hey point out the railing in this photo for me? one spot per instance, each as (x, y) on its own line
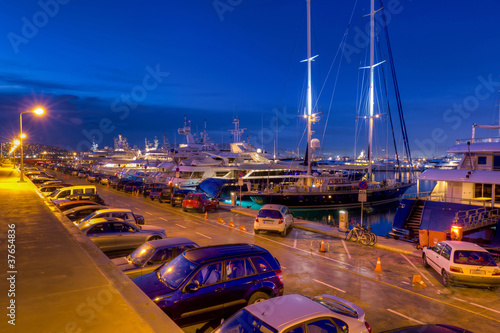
(424, 196)
(476, 218)
(478, 140)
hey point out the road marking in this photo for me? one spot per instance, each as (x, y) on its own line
(135, 208)
(180, 226)
(149, 213)
(295, 243)
(326, 284)
(402, 315)
(199, 233)
(346, 250)
(405, 282)
(425, 277)
(161, 218)
(480, 306)
(126, 204)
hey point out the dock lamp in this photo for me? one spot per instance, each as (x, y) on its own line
(456, 232)
(38, 111)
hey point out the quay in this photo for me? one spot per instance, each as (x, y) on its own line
(56, 280)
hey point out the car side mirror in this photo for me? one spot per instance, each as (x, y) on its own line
(193, 286)
(149, 263)
(140, 219)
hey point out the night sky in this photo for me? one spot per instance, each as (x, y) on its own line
(133, 67)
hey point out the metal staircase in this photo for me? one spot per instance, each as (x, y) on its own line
(415, 218)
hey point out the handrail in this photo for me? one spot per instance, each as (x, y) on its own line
(478, 140)
(476, 218)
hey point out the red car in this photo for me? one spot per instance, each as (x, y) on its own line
(200, 202)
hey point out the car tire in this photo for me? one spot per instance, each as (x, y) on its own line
(152, 199)
(283, 233)
(258, 297)
(446, 279)
(493, 288)
(160, 201)
(424, 261)
(154, 238)
(203, 209)
(256, 231)
(172, 204)
(184, 209)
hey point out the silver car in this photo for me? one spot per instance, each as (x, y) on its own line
(111, 234)
(297, 314)
(151, 255)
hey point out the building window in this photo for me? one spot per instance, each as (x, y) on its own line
(481, 160)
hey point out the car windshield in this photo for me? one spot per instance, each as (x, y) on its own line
(141, 254)
(176, 271)
(269, 213)
(244, 322)
(476, 258)
(91, 216)
(54, 194)
(192, 197)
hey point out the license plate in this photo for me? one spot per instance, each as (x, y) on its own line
(477, 272)
(268, 221)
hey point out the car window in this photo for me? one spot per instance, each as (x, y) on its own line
(89, 191)
(321, 326)
(64, 194)
(78, 191)
(446, 252)
(161, 255)
(208, 275)
(122, 216)
(100, 228)
(476, 258)
(297, 329)
(269, 213)
(438, 247)
(181, 249)
(261, 265)
(122, 227)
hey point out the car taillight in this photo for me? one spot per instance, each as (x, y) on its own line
(279, 275)
(281, 220)
(368, 327)
(456, 269)
(496, 273)
(256, 220)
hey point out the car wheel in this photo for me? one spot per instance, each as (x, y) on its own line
(172, 204)
(184, 209)
(160, 201)
(256, 231)
(493, 288)
(283, 233)
(154, 238)
(203, 209)
(152, 199)
(424, 261)
(446, 279)
(258, 297)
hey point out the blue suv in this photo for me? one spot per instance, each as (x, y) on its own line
(213, 282)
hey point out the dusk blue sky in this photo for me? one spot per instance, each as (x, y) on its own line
(133, 67)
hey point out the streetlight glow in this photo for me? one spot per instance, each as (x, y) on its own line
(17, 142)
(22, 136)
(39, 111)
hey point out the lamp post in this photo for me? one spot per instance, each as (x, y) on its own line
(38, 112)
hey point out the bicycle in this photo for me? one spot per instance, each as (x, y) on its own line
(361, 234)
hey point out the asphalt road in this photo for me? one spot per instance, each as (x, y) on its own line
(347, 270)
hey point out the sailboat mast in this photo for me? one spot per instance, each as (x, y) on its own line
(309, 93)
(371, 102)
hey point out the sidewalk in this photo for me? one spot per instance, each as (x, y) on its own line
(383, 243)
(57, 279)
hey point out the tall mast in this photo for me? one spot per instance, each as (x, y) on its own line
(309, 93)
(371, 102)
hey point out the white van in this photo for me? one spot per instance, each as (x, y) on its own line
(77, 189)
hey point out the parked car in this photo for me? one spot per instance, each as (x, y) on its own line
(63, 192)
(54, 182)
(48, 189)
(239, 274)
(148, 187)
(107, 180)
(119, 213)
(111, 234)
(297, 313)
(462, 263)
(151, 255)
(120, 184)
(133, 186)
(91, 197)
(178, 196)
(94, 177)
(40, 180)
(200, 202)
(80, 212)
(160, 193)
(66, 205)
(436, 328)
(273, 218)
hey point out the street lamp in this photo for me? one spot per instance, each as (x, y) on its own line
(38, 111)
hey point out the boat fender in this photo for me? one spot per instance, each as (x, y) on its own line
(402, 205)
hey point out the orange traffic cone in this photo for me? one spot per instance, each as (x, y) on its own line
(242, 228)
(231, 224)
(206, 215)
(322, 247)
(417, 279)
(378, 268)
(221, 221)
